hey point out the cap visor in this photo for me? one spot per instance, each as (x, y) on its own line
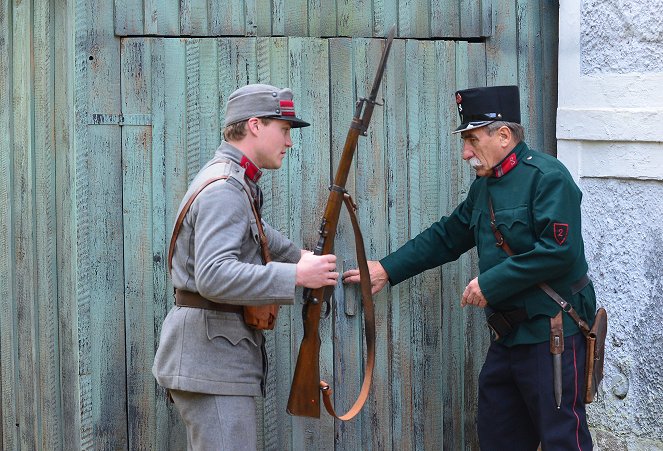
(295, 122)
(470, 126)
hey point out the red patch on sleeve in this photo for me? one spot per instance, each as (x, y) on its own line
(561, 232)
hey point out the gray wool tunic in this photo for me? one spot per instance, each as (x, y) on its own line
(217, 254)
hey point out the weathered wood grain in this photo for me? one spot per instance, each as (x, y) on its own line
(65, 99)
(101, 305)
(49, 427)
(398, 227)
(422, 19)
(8, 358)
(25, 306)
(169, 149)
(308, 77)
(137, 206)
(371, 195)
(347, 84)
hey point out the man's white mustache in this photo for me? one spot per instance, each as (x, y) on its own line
(475, 162)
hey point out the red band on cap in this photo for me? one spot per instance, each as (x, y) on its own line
(287, 108)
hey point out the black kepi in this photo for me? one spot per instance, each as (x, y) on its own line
(481, 106)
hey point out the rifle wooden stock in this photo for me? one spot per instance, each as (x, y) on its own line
(304, 399)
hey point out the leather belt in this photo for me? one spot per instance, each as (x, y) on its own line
(502, 324)
(185, 298)
(580, 284)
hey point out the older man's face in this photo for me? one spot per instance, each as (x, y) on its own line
(481, 150)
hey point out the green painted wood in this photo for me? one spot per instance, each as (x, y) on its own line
(7, 323)
(445, 18)
(354, 18)
(347, 84)
(137, 206)
(194, 19)
(475, 18)
(451, 275)
(25, 307)
(423, 194)
(101, 305)
(530, 59)
(169, 186)
(316, 18)
(65, 199)
(48, 393)
(8, 358)
(308, 200)
(414, 18)
(272, 68)
(231, 17)
(396, 158)
(129, 17)
(371, 196)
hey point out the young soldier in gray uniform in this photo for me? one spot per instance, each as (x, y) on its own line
(537, 210)
(211, 362)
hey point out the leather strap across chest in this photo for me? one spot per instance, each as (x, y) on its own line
(500, 242)
(264, 248)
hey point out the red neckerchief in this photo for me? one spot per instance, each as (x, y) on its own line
(251, 170)
(510, 162)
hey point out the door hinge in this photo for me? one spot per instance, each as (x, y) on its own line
(120, 119)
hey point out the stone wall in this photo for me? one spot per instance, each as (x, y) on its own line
(610, 135)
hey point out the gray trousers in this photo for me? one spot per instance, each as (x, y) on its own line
(216, 422)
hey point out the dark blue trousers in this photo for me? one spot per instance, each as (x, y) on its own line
(517, 409)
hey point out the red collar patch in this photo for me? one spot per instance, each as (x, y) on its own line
(561, 232)
(250, 169)
(506, 165)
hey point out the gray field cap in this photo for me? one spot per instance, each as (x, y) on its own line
(259, 100)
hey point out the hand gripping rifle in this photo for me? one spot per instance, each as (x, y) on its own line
(304, 397)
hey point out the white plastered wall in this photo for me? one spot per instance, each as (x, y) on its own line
(610, 136)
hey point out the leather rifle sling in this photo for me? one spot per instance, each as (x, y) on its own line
(369, 323)
(582, 325)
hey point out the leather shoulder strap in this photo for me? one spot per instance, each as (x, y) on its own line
(568, 308)
(180, 218)
(264, 245)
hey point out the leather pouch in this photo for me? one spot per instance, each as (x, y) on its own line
(595, 354)
(262, 317)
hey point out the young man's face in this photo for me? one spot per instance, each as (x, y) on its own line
(481, 150)
(273, 139)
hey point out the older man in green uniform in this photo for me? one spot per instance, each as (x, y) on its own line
(536, 206)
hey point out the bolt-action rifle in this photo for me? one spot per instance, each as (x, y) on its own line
(304, 397)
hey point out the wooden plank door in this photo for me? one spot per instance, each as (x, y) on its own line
(406, 172)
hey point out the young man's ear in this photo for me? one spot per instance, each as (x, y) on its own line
(253, 125)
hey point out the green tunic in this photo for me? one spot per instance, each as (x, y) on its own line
(537, 209)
